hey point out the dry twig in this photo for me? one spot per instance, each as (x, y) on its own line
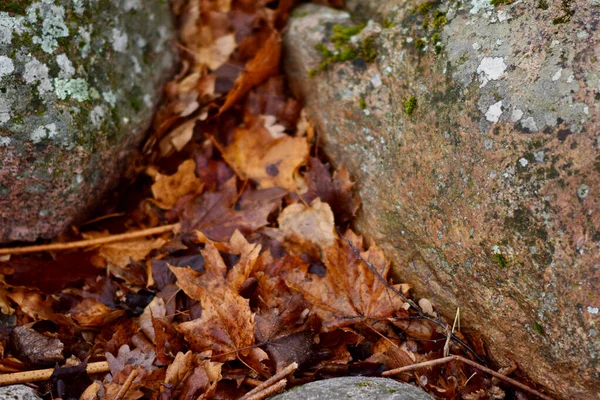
(473, 364)
(271, 381)
(91, 242)
(45, 374)
(271, 390)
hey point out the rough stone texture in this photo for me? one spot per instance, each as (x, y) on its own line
(487, 197)
(79, 80)
(18, 392)
(355, 387)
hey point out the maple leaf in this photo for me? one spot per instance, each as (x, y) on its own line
(216, 214)
(216, 274)
(350, 292)
(226, 326)
(264, 65)
(335, 191)
(272, 162)
(168, 188)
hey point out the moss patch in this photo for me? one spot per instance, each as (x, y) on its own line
(410, 105)
(344, 50)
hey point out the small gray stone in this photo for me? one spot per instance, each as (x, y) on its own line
(79, 81)
(18, 392)
(355, 387)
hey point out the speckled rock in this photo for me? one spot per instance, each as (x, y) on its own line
(18, 392)
(355, 387)
(474, 135)
(79, 80)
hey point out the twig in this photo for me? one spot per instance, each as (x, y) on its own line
(91, 242)
(414, 305)
(473, 364)
(127, 385)
(45, 374)
(276, 388)
(269, 382)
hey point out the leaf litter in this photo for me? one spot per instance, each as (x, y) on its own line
(265, 285)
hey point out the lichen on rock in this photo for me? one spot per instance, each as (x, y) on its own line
(488, 192)
(78, 84)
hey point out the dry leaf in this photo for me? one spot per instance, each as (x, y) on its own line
(350, 292)
(168, 189)
(427, 307)
(91, 313)
(264, 65)
(312, 224)
(226, 326)
(218, 52)
(255, 154)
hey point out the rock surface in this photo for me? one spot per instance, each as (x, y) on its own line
(474, 136)
(79, 81)
(355, 387)
(18, 392)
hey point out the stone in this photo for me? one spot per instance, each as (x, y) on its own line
(355, 387)
(474, 138)
(79, 82)
(18, 392)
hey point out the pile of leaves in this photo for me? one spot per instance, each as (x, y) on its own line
(261, 270)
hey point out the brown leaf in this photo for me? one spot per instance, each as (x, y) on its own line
(217, 217)
(226, 326)
(350, 292)
(270, 161)
(167, 189)
(314, 224)
(34, 348)
(189, 376)
(335, 191)
(91, 313)
(264, 65)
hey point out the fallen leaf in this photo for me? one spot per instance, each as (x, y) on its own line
(91, 313)
(427, 307)
(264, 64)
(226, 326)
(168, 189)
(272, 162)
(34, 348)
(216, 214)
(312, 224)
(350, 292)
(217, 52)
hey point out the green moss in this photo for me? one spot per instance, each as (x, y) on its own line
(136, 104)
(439, 20)
(15, 6)
(420, 44)
(362, 103)
(438, 49)
(501, 260)
(435, 38)
(387, 23)
(425, 24)
(344, 50)
(542, 4)
(567, 10)
(497, 3)
(367, 50)
(342, 34)
(410, 105)
(539, 328)
(424, 8)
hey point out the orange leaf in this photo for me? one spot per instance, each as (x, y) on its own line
(264, 65)
(226, 326)
(350, 292)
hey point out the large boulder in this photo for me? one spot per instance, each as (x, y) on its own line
(355, 387)
(474, 136)
(79, 81)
